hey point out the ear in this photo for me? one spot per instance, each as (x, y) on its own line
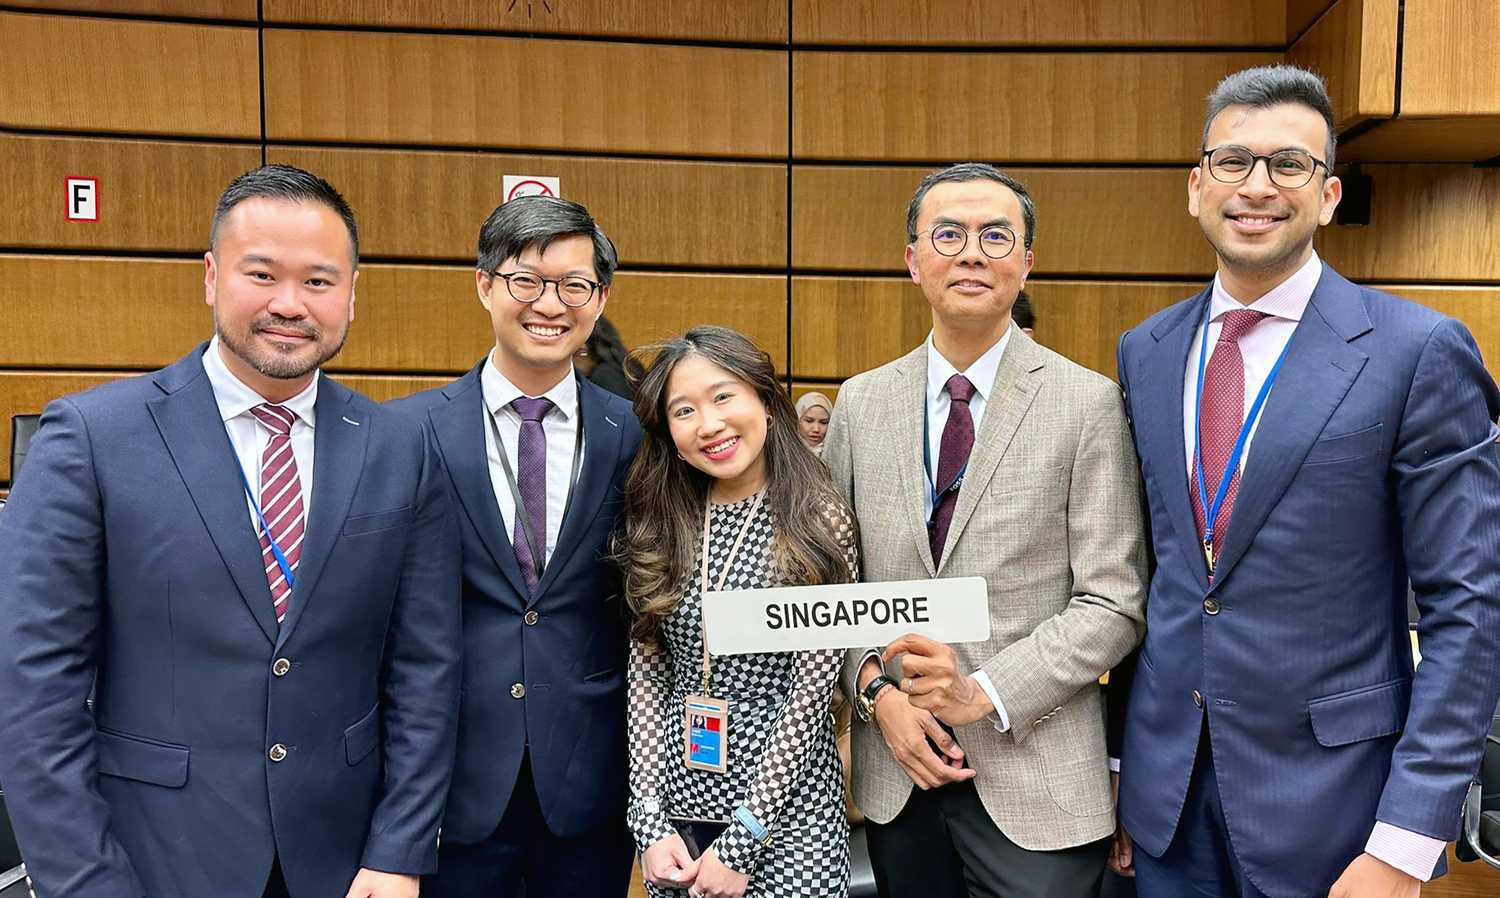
(354, 282)
(1194, 177)
(1333, 191)
(484, 282)
(911, 263)
(603, 298)
(1030, 261)
(210, 278)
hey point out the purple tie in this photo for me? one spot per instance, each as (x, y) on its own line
(531, 465)
(1222, 413)
(953, 457)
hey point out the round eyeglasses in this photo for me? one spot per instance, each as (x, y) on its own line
(524, 286)
(995, 241)
(1288, 169)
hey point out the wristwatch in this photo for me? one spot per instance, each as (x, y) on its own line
(864, 703)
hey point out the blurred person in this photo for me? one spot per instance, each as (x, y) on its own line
(1024, 314)
(813, 410)
(604, 358)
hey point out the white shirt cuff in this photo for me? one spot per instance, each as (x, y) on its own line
(1114, 765)
(1412, 853)
(1000, 718)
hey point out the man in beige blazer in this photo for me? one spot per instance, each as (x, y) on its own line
(980, 453)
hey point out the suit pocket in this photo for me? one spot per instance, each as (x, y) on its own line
(1011, 480)
(361, 738)
(604, 674)
(141, 759)
(1346, 446)
(1368, 712)
(380, 520)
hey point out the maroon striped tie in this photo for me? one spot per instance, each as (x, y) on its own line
(280, 502)
(1221, 415)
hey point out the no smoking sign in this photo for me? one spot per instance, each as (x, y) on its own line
(531, 185)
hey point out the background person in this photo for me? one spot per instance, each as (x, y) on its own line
(813, 411)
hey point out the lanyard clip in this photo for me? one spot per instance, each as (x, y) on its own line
(1208, 553)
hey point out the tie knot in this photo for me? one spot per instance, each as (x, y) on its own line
(531, 409)
(276, 418)
(1238, 323)
(959, 389)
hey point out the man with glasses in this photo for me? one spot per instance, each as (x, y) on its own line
(983, 454)
(536, 455)
(1308, 445)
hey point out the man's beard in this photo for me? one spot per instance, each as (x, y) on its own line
(277, 365)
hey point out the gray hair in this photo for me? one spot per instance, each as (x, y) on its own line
(971, 171)
(539, 221)
(1272, 85)
(288, 183)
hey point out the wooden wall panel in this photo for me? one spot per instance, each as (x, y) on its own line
(518, 93)
(430, 205)
(1301, 14)
(243, 10)
(1466, 138)
(1354, 47)
(1240, 23)
(748, 21)
(1449, 65)
(1012, 107)
(1477, 307)
(1427, 222)
(1089, 221)
(108, 75)
(151, 196)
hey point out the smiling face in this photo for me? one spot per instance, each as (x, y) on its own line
(280, 279)
(718, 423)
(970, 290)
(813, 425)
(1261, 232)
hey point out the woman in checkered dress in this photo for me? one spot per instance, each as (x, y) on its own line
(722, 442)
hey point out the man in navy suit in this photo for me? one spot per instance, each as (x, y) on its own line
(536, 456)
(1307, 446)
(256, 571)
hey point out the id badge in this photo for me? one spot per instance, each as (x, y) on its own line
(705, 723)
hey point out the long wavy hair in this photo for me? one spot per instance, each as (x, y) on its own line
(664, 495)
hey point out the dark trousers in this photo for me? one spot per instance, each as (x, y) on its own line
(523, 859)
(276, 885)
(943, 844)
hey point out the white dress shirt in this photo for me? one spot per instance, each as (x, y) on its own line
(249, 437)
(1412, 853)
(560, 427)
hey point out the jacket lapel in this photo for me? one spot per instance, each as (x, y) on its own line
(601, 450)
(1319, 369)
(912, 394)
(189, 422)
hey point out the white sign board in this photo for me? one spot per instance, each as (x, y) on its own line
(845, 615)
(531, 185)
(83, 199)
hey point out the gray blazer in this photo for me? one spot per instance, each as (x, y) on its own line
(1050, 515)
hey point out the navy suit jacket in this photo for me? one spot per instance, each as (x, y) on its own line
(128, 563)
(563, 644)
(1373, 462)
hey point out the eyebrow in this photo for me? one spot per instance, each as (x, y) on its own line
(267, 260)
(1002, 220)
(711, 387)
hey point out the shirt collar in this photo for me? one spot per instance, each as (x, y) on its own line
(981, 374)
(1287, 299)
(500, 392)
(234, 398)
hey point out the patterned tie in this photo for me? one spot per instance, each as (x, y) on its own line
(1220, 418)
(280, 502)
(953, 455)
(531, 465)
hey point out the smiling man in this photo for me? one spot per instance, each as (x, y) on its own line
(981, 453)
(536, 455)
(1308, 445)
(255, 572)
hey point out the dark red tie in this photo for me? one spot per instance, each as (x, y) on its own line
(953, 457)
(1221, 414)
(280, 502)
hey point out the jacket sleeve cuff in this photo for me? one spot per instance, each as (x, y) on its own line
(1412, 853)
(738, 849)
(399, 856)
(648, 822)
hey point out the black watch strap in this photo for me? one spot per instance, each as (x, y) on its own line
(873, 687)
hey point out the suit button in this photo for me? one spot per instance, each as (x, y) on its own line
(531, 618)
(277, 752)
(1211, 606)
(1197, 698)
(280, 667)
(518, 691)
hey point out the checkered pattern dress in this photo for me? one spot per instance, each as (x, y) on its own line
(783, 763)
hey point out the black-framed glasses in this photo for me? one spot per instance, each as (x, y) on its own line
(572, 291)
(995, 241)
(1289, 169)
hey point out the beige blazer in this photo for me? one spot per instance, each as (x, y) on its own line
(1050, 515)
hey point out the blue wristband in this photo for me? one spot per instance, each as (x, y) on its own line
(757, 832)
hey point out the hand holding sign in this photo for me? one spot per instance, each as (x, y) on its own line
(934, 683)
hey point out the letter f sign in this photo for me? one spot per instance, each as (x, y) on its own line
(83, 199)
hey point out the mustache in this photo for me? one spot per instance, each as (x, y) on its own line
(286, 324)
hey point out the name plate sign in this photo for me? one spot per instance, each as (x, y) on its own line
(845, 615)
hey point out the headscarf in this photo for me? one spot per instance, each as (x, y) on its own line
(807, 401)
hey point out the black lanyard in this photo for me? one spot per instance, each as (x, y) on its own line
(527, 528)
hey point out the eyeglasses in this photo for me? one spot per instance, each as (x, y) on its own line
(1289, 169)
(524, 286)
(995, 241)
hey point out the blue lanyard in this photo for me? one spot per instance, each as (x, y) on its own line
(1211, 509)
(930, 475)
(286, 569)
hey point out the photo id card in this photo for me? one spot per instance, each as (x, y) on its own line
(706, 734)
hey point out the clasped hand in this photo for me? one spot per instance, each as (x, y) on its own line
(668, 864)
(934, 684)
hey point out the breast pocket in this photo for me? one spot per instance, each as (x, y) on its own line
(378, 521)
(1346, 446)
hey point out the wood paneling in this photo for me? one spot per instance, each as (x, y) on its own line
(971, 23)
(518, 93)
(748, 21)
(1427, 222)
(1476, 307)
(1013, 107)
(188, 9)
(151, 196)
(97, 312)
(116, 76)
(1470, 138)
(1353, 46)
(430, 205)
(1089, 221)
(1300, 14)
(1449, 65)
(1474, 880)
